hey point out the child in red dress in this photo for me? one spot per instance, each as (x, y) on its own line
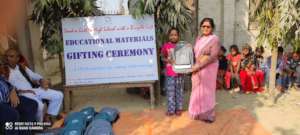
(232, 78)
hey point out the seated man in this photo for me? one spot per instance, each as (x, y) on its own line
(27, 84)
(14, 108)
(293, 66)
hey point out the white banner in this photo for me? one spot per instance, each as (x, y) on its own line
(109, 49)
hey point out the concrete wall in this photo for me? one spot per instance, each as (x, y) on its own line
(3, 45)
(231, 18)
(212, 9)
(28, 38)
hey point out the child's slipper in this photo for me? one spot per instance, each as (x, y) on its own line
(178, 112)
(169, 114)
(247, 92)
(237, 89)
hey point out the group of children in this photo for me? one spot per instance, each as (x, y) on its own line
(248, 71)
(287, 70)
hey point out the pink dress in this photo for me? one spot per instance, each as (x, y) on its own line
(202, 100)
(165, 51)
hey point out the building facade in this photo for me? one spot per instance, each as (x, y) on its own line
(232, 18)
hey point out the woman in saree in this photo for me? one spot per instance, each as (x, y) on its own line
(206, 50)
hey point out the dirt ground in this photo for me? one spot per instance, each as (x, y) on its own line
(279, 118)
(154, 122)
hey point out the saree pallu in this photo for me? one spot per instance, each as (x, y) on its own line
(202, 100)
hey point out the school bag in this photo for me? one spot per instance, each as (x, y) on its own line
(75, 124)
(89, 113)
(103, 116)
(101, 124)
(110, 114)
(72, 131)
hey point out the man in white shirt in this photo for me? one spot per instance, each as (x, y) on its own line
(26, 83)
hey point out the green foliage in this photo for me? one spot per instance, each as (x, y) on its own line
(168, 13)
(48, 13)
(136, 8)
(279, 23)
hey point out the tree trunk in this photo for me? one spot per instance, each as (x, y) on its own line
(61, 68)
(158, 83)
(272, 78)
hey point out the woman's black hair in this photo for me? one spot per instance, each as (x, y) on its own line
(260, 49)
(210, 20)
(234, 47)
(173, 28)
(223, 49)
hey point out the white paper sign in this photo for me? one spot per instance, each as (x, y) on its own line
(109, 49)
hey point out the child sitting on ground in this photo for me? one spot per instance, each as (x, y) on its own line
(252, 73)
(232, 78)
(293, 69)
(251, 78)
(222, 69)
(260, 63)
(281, 73)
